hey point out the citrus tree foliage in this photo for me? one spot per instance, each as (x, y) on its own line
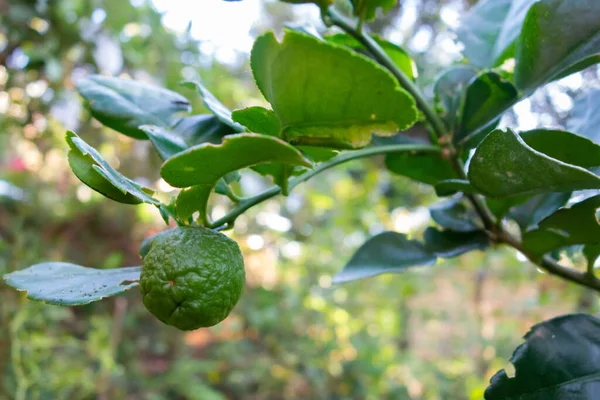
(334, 99)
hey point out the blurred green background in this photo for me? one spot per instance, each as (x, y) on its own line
(432, 333)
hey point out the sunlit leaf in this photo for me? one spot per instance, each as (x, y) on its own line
(556, 35)
(206, 163)
(312, 88)
(396, 53)
(91, 168)
(559, 360)
(367, 9)
(504, 165)
(69, 284)
(384, 253)
(124, 104)
(258, 120)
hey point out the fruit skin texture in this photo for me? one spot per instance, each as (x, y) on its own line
(192, 277)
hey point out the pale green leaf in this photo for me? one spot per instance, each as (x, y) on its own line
(68, 284)
(327, 95)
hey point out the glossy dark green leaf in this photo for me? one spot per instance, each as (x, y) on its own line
(530, 213)
(427, 168)
(453, 186)
(584, 117)
(591, 253)
(558, 361)
(191, 200)
(487, 97)
(327, 109)
(499, 207)
(504, 165)
(215, 106)
(490, 28)
(258, 120)
(396, 53)
(384, 253)
(206, 163)
(448, 244)
(202, 128)
(166, 142)
(124, 104)
(449, 91)
(69, 284)
(551, 42)
(567, 226)
(454, 214)
(564, 146)
(91, 168)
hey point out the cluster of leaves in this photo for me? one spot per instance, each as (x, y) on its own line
(326, 98)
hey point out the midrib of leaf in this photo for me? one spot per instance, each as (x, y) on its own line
(582, 379)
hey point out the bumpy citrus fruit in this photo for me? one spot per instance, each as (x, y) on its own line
(191, 277)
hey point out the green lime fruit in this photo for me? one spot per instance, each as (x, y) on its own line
(192, 277)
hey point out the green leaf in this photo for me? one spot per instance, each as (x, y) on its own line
(453, 214)
(429, 168)
(558, 361)
(556, 35)
(567, 226)
(202, 128)
(490, 28)
(258, 120)
(206, 163)
(166, 142)
(448, 244)
(193, 199)
(504, 165)
(564, 146)
(227, 180)
(499, 207)
(384, 253)
(68, 284)
(591, 253)
(449, 91)
(453, 186)
(214, 105)
(529, 214)
(367, 9)
(89, 166)
(124, 104)
(487, 97)
(312, 88)
(396, 53)
(584, 117)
